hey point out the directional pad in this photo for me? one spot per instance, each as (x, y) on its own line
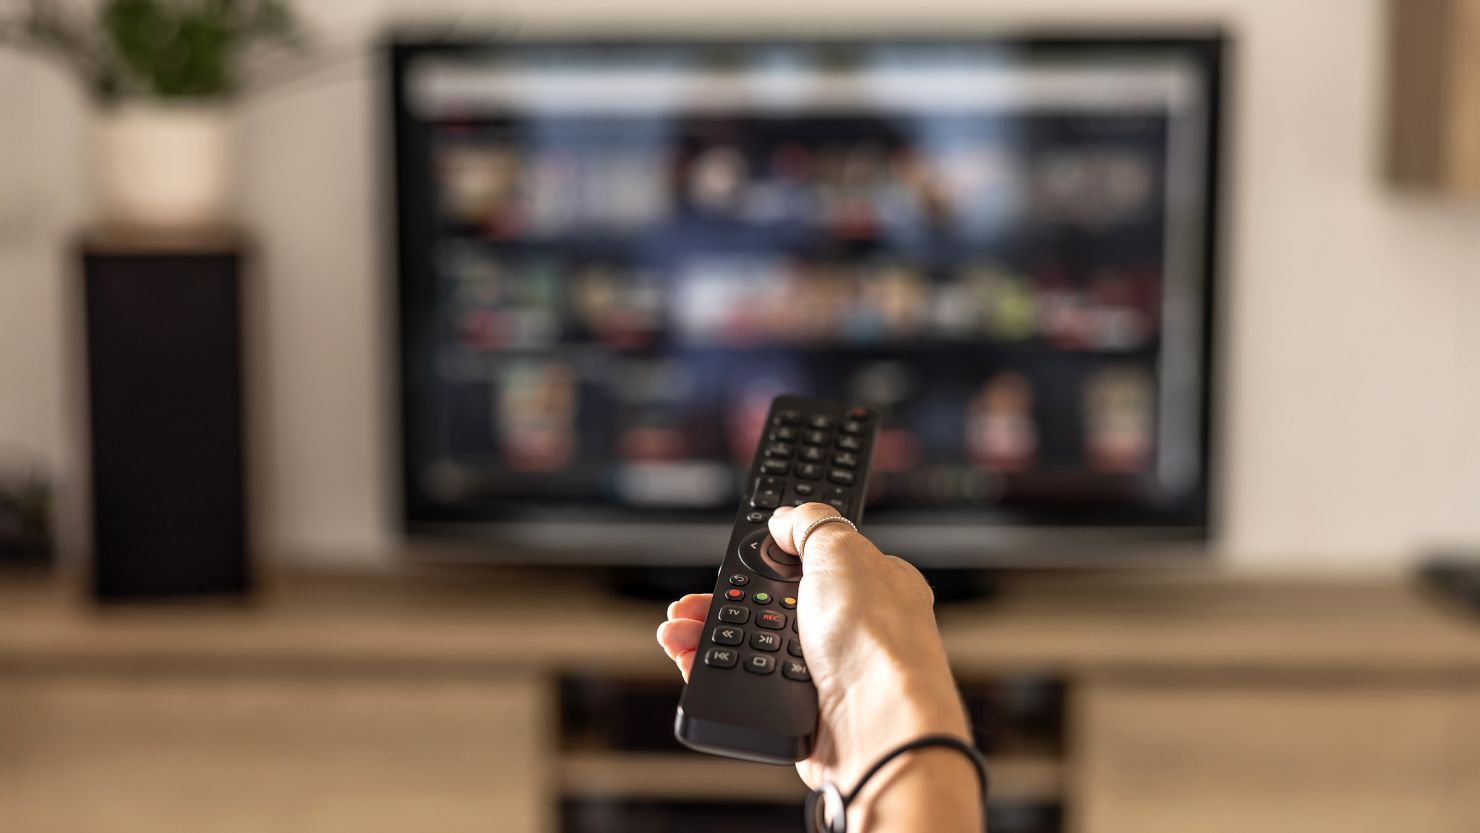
(761, 554)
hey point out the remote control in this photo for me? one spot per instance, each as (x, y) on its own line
(749, 695)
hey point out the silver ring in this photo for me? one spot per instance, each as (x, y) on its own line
(802, 543)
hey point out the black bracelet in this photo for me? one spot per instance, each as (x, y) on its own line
(827, 807)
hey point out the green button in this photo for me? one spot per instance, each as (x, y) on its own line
(761, 598)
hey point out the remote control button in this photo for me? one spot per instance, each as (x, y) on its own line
(756, 517)
(813, 454)
(849, 443)
(858, 413)
(760, 664)
(777, 555)
(761, 555)
(803, 489)
(775, 467)
(766, 499)
(728, 635)
(761, 597)
(794, 647)
(852, 426)
(750, 547)
(789, 602)
(839, 503)
(768, 482)
(735, 594)
(815, 438)
(722, 658)
(784, 434)
(762, 641)
(841, 476)
(845, 459)
(801, 501)
(795, 669)
(820, 422)
(739, 579)
(771, 619)
(809, 471)
(779, 450)
(787, 417)
(734, 615)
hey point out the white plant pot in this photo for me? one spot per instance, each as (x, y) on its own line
(164, 167)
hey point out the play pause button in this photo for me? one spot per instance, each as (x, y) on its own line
(763, 641)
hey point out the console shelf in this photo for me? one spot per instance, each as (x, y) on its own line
(680, 776)
(488, 700)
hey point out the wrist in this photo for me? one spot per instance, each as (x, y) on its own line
(931, 789)
(889, 706)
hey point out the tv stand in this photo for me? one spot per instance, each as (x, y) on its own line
(657, 583)
(652, 583)
(1119, 703)
(963, 585)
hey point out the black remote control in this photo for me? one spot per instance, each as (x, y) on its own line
(749, 695)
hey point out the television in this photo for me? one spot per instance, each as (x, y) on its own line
(611, 253)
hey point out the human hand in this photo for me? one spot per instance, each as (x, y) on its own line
(870, 640)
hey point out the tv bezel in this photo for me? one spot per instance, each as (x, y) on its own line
(607, 536)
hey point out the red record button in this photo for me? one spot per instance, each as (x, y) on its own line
(771, 619)
(734, 594)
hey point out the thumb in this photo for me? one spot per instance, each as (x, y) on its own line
(788, 524)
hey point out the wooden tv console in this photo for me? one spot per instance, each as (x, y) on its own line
(442, 702)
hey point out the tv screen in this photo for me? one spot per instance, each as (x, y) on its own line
(613, 254)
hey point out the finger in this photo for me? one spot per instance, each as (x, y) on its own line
(787, 527)
(685, 660)
(692, 606)
(679, 635)
(779, 523)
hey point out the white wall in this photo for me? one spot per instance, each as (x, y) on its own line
(42, 199)
(1352, 321)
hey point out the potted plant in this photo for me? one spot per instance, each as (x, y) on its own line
(163, 73)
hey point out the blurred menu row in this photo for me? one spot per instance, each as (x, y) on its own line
(894, 183)
(661, 431)
(498, 301)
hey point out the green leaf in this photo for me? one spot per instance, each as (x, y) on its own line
(167, 48)
(137, 30)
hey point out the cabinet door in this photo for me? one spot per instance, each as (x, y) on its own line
(1276, 758)
(286, 754)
